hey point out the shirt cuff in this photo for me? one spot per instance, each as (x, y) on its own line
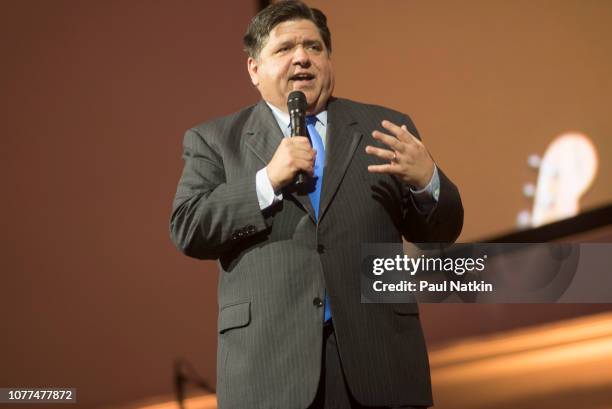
(425, 199)
(265, 192)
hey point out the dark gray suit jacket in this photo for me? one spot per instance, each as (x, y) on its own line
(276, 264)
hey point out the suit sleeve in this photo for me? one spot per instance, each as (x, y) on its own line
(210, 214)
(441, 224)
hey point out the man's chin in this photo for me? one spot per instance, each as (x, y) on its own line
(310, 90)
(316, 106)
(313, 98)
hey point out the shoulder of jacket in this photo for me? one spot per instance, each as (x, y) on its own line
(225, 125)
(370, 108)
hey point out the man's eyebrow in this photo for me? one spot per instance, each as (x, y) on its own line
(285, 43)
(312, 42)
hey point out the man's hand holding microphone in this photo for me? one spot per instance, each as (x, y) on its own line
(294, 159)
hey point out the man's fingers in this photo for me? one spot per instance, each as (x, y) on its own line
(388, 140)
(297, 144)
(390, 168)
(391, 127)
(401, 132)
(301, 157)
(299, 141)
(411, 136)
(304, 165)
(381, 153)
(305, 154)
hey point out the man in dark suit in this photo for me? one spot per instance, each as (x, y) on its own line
(292, 330)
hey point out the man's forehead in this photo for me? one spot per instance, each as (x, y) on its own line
(295, 29)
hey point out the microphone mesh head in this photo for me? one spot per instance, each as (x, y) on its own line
(296, 100)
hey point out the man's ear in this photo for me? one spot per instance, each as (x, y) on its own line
(252, 68)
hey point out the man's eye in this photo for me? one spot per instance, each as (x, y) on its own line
(282, 49)
(315, 47)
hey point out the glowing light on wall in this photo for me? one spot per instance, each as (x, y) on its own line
(565, 173)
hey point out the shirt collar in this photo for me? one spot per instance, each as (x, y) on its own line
(283, 117)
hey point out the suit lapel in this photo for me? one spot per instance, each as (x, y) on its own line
(342, 141)
(262, 137)
(262, 134)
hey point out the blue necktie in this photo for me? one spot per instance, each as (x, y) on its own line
(315, 195)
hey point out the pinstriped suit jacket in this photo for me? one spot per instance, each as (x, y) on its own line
(275, 263)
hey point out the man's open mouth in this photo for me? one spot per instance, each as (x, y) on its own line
(302, 78)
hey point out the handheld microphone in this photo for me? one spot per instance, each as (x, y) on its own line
(296, 106)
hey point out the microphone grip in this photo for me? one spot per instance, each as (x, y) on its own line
(300, 179)
(298, 128)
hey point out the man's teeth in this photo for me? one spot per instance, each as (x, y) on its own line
(302, 77)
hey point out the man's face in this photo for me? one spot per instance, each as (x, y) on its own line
(294, 58)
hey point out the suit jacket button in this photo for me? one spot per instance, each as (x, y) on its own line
(320, 249)
(317, 302)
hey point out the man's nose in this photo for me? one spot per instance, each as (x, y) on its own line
(301, 57)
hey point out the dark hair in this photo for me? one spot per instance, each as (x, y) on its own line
(279, 12)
